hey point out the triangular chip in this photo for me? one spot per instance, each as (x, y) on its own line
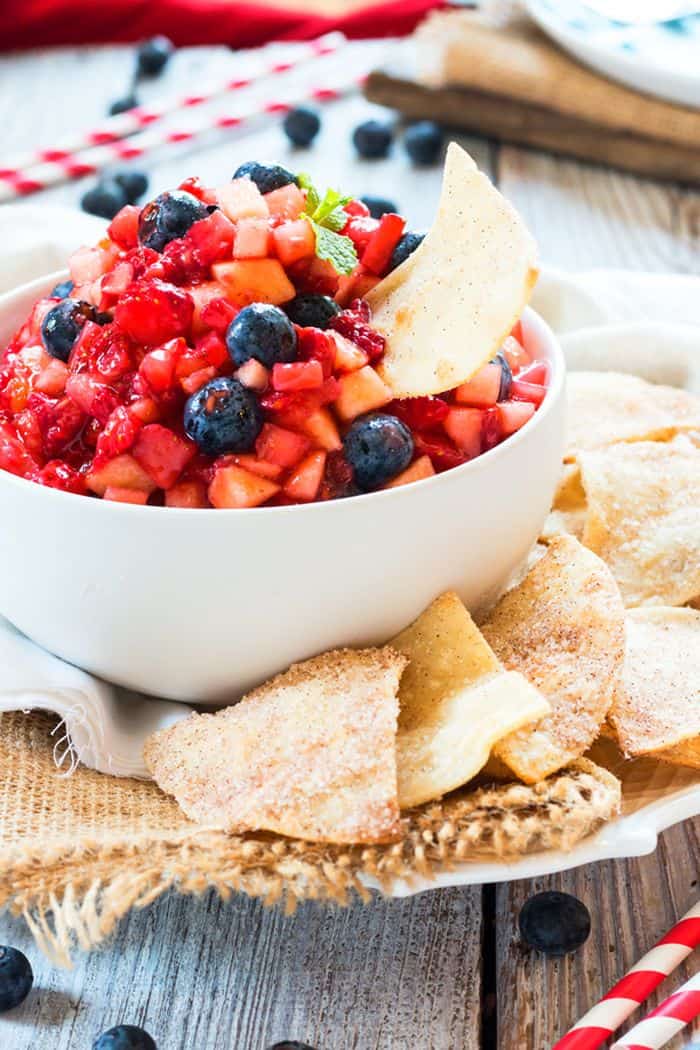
(455, 702)
(563, 628)
(644, 518)
(568, 513)
(657, 705)
(447, 309)
(310, 754)
(607, 407)
(685, 754)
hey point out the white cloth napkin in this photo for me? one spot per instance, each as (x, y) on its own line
(607, 320)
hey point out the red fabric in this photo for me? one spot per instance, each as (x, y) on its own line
(38, 23)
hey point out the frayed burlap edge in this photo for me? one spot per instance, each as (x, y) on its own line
(75, 897)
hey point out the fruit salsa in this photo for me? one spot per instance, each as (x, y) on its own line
(216, 349)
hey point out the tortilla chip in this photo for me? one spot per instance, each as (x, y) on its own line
(608, 407)
(310, 754)
(644, 518)
(568, 513)
(563, 628)
(657, 704)
(446, 310)
(685, 754)
(455, 702)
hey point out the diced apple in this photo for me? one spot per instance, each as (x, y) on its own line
(294, 241)
(257, 466)
(253, 239)
(234, 487)
(537, 372)
(348, 355)
(420, 468)
(122, 472)
(158, 366)
(191, 494)
(360, 392)
(162, 454)
(87, 264)
(297, 375)
(52, 378)
(253, 374)
(306, 479)
(321, 428)
(281, 446)
(288, 202)
(202, 295)
(514, 414)
(523, 391)
(254, 281)
(145, 409)
(113, 492)
(241, 199)
(482, 389)
(191, 383)
(463, 425)
(515, 354)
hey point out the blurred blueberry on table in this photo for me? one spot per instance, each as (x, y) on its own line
(16, 977)
(301, 125)
(121, 105)
(267, 177)
(134, 184)
(423, 142)
(372, 139)
(379, 206)
(124, 1037)
(105, 199)
(291, 1044)
(406, 246)
(153, 55)
(61, 290)
(554, 923)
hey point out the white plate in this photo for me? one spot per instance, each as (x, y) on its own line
(659, 59)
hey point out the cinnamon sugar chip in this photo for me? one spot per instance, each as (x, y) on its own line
(310, 754)
(657, 706)
(568, 513)
(563, 628)
(608, 407)
(685, 754)
(644, 518)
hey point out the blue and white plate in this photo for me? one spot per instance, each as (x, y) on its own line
(661, 59)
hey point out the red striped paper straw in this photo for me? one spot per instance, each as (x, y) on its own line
(638, 983)
(666, 1021)
(136, 120)
(88, 162)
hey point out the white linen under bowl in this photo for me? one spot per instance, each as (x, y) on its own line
(200, 605)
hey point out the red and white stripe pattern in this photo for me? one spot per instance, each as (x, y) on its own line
(18, 171)
(666, 1021)
(638, 983)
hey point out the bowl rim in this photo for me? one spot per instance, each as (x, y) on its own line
(555, 387)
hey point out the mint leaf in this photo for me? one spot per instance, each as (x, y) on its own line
(336, 220)
(331, 203)
(338, 250)
(313, 198)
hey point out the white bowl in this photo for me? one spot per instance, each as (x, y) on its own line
(200, 605)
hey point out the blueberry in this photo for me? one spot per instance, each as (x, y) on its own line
(121, 105)
(301, 125)
(124, 1037)
(105, 199)
(62, 326)
(134, 184)
(377, 447)
(423, 142)
(168, 217)
(16, 978)
(506, 375)
(153, 55)
(267, 177)
(379, 206)
(223, 416)
(406, 246)
(554, 923)
(61, 290)
(311, 311)
(373, 138)
(263, 332)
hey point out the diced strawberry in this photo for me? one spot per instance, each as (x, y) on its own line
(30, 433)
(293, 407)
(256, 466)
(218, 313)
(360, 392)
(288, 202)
(418, 470)
(354, 324)
(154, 312)
(491, 429)
(241, 199)
(118, 435)
(158, 366)
(206, 296)
(281, 446)
(443, 455)
(117, 281)
(297, 375)
(145, 409)
(320, 278)
(58, 475)
(234, 487)
(124, 227)
(91, 396)
(420, 413)
(191, 383)
(522, 391)
(213, 349)
(360, 230)
(253, 374)
(321, 428)
(52, 378)
(517, 332)
(13, 455)
(253, 239)
(356, 207)
(190, 494)
(306, 479)
(111, 355)
(195, 186)
(463, 425)
(482, 389)
(515, 354)
(122, 473)
(162, 454)
(121, 495)
(377, 253)
(514, 414)
(337, 479)
(212, 238)
(537, 372)
(348, 356)
(294, 241)
(254, 281)
(315, 345)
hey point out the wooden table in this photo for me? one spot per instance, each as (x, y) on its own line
(445, 970)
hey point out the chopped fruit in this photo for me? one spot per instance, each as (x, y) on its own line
(491, 430)
(210, 305)
(91, 396)
(443, 454)
(311, 311)
(420, 468)
(158, 367)
(424, 141)
(287, 202)
(517, 332)
(234, 487)
(124, 227)
(354, 324)
(301, 125)
(154, 312)
(162, 454)
(382, 243)
(195, 380)
(87, 264)
(57, 475)
(348, 356)
(263, 332)
(267, 177)
(123, 472)
(169, 217)
(483, 389)
(254, 281)
(223, 416)
(514, 414)
(62, 325)
(294, 241)
(463, 425)
(361, 392)
(119, 435)
(405, 247)
(535, 373)
(306, 480)
(253, 375)
(299, 375)
(360, 229)
(372, 139)
(192, 494)
(358, 206)
(212, 238)
(321, 427)
(119, 495)
(522, 391)
(52, 379)
(252, 239)
(280, 446)
(261, 467)
(377, 447)
(515, 354)
(241, 199)
(420, 413)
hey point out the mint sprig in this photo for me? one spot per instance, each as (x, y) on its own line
(327, 218)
